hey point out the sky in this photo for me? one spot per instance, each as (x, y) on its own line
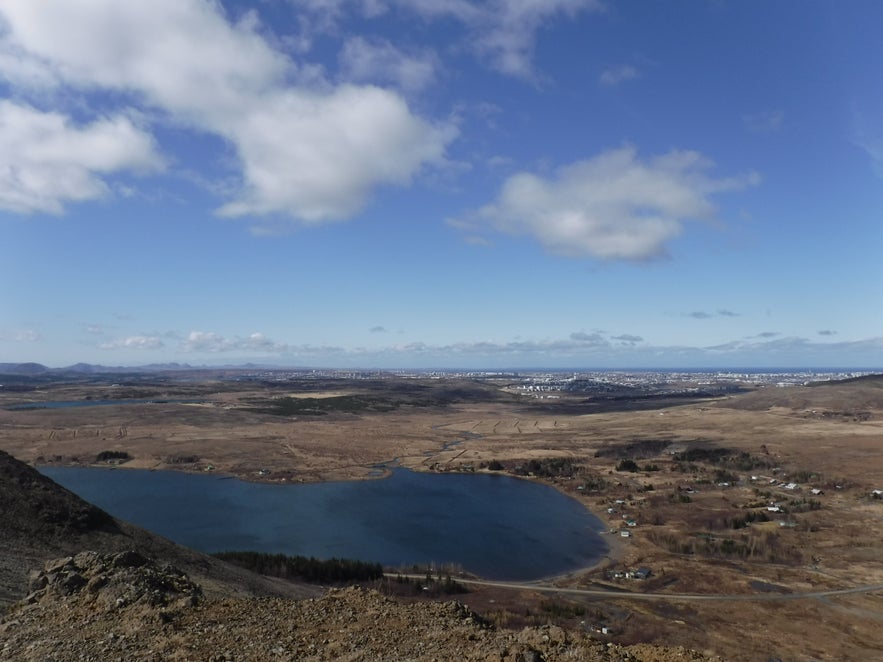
(442, 183)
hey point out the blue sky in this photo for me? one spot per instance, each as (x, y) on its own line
(442, 183)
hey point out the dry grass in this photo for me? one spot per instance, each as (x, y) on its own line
(682, 540)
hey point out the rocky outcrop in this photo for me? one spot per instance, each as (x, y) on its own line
(111, 582)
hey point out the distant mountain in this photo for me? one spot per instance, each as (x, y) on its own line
(36, 369)
(23, 369)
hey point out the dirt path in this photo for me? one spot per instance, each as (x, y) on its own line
(628, 595)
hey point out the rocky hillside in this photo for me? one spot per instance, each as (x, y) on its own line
(124, 607)
(42, 520)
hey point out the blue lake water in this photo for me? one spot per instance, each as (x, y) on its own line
(494, 526)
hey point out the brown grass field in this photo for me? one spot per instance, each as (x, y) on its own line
(702, 523)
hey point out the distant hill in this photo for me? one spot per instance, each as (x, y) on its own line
(847, 395)
(40, 520)
(31, 369)
(22, 369)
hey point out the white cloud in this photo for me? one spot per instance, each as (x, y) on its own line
(502, 32)
(331, 10)
(134, 342)
(211, 342)
(317, 156)
(596, 348)
(47, 161)
(618, 74)
(306, 150)
(20, 335)
(764, 122)
(379, 61)
(205, 341)
(705, 315)
(614, 206)
(868, 138)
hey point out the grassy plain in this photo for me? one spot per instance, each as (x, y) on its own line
(708, 472)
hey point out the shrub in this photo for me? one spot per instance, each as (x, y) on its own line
(104, 456)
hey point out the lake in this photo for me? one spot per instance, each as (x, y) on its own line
(497, 527)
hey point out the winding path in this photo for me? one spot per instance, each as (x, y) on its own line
(691, 597)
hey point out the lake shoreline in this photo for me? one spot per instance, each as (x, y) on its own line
(428, 517)
(615, 547)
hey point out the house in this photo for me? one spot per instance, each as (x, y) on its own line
(642, 573)
(816, 491)
(774, 509)
(625, 533)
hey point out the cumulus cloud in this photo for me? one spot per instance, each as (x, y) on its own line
(764, 122)
(827, 332)
(508, 29)
(378, 329)
(618, 74)
(20, 335)
(615, 206)
(330, 11)
(46, 160)
(211, 342)
(305, 149)
(318, 156)
(134, 342)
(379, 61)
(868, 137)
(582, 339)
(704, 315)
(596, 348)
(501, 32)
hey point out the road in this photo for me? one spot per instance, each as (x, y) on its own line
(683, 597)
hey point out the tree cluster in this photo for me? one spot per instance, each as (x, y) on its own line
(313, 570)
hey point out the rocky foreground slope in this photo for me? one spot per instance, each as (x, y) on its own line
(140, 597)
(125, 607)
